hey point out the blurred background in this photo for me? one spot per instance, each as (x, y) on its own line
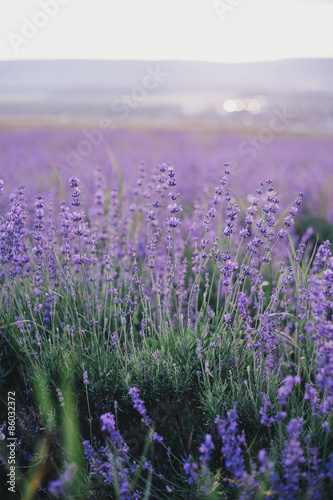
(191, 82)
(226, 64)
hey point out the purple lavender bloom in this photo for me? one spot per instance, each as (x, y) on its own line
(59, 487)
(190, 468)
(109, 425)
(172, 222)
(265, 466)
(315, 475)
(232, 442)
(118, 463)
(292, 459)
(124, 486)
(198, 349)
(280, 415)
(60, 397)
(85, 378)
(265, 420)
(108, 422)
(88, 451)
(311, 395)
(139, 405)
(322, 255)
(157, 438)
(227, 318)
(206, 449)
(74, 181)
(287, 388)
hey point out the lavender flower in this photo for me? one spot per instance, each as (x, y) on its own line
(198, 349)
(59, 487)
(232, 442)
(157, 438)
(265, 420)
(292, 459)
(285, 391)
(85, 378)
(190, 469)
(109, 425)
(139, 405)
(206, 449)
(117, 463)
(60, 397)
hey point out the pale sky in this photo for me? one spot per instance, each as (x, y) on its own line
(206, 30)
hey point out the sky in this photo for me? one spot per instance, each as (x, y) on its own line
(203, 30)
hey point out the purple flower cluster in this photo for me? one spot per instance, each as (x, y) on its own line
(201, 474)
(139, 405)
(232, 443)
(292, 459)
(190, 469)
(125, 268)
(60, 487)
(113, 465)
(287, 388)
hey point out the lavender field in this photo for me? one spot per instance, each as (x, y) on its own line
(166, 314)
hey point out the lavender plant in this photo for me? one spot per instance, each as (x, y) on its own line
(206, 324)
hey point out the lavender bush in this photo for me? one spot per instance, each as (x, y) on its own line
(163, 345)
